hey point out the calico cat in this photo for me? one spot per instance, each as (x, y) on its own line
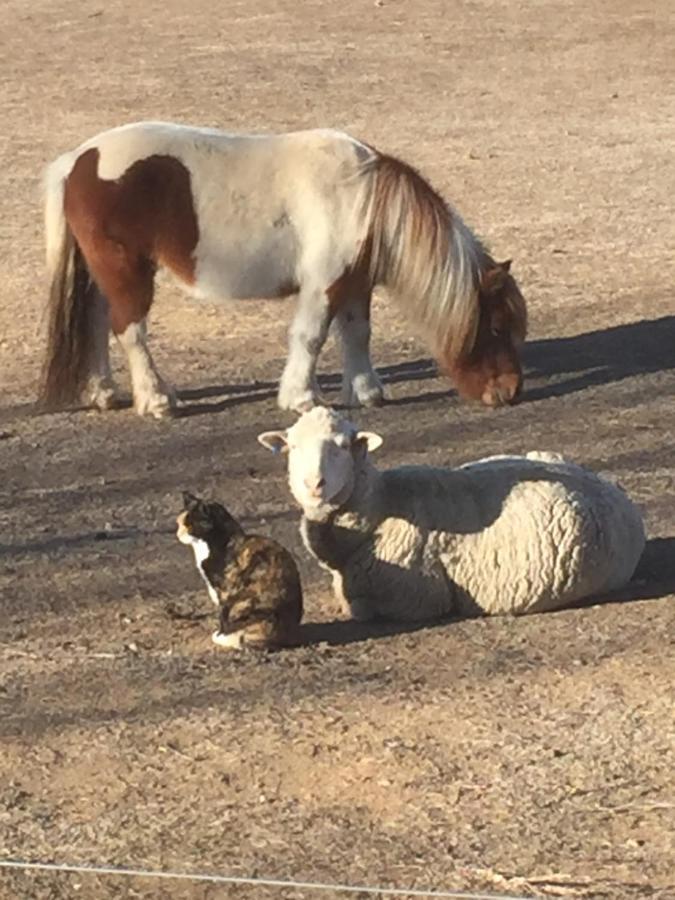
(252, 579)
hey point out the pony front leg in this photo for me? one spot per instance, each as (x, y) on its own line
(298, 389)
(152, 396)
(361, 385)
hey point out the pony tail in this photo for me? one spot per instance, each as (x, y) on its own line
(66, 363)
(424, 253)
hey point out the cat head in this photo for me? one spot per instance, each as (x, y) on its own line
(202, 520)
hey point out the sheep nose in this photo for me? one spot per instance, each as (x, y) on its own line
(315, 484)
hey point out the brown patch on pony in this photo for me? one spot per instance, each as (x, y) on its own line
(353, 284)
(350, 286)
(492, 373)
(127, 227)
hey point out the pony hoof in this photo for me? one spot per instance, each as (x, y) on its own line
(104, 399)
(101, 393)
(372, 398)
(363, 391)
(299, 403)
(159, 406)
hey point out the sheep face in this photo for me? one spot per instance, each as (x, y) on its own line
(323, 451)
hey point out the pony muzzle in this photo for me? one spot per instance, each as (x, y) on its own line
(491, 390)
(503, 391)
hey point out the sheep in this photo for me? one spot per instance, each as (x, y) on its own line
(503, 535)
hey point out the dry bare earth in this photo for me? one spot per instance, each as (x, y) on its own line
(533, 756)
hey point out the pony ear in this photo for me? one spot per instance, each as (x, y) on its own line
(190, 501)
(368, 439)
(494, 279)
(276, 441)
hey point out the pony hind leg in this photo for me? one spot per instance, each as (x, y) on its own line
(101, 390)
(361, 385)
(152, 395)
(127, 281)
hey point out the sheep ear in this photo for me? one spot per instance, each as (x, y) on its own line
(369, 440)
(276, 441)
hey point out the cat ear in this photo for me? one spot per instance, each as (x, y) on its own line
(190, 501)
(276, 441)
(226, 518)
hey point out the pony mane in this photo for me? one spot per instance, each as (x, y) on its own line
(425, 254)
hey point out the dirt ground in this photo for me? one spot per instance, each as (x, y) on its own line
(532, 757)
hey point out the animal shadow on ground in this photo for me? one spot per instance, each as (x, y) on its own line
(654, 579)
(341, 632)
(228, 395)
(593, 358)
(655, 574)
(590, 359)
(601, 357)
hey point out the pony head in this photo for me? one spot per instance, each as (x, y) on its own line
(491, 371)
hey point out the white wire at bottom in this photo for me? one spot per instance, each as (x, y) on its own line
(242, 880)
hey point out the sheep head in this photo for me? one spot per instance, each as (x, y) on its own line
(323, 453)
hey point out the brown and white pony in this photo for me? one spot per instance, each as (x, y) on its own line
(237, 216)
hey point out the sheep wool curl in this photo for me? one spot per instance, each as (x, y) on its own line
(503, 535)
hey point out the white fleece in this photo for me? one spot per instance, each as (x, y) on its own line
(504, 535)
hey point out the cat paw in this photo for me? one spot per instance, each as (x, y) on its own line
(233, 641)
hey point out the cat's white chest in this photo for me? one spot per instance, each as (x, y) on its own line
(202, 553)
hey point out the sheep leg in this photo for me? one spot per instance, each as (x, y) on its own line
(360, 383)
(298, 388)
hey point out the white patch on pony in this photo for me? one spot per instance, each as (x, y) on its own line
(274, 212)
(233, 641)
(201, 551)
